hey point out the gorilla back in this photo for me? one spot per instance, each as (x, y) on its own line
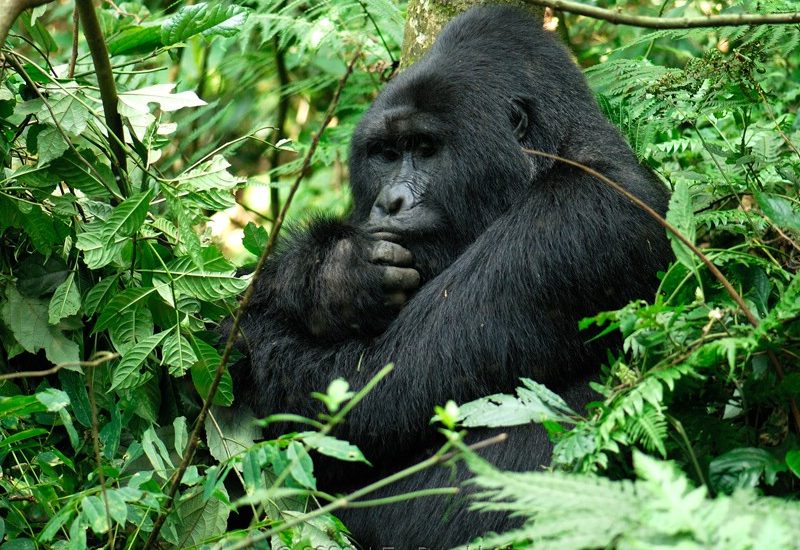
(465, 261)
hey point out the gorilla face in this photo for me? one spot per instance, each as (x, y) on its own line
(422, 170)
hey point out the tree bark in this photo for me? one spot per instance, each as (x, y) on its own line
(10, 10)
(427, 17)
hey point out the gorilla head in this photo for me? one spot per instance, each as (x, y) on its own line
(439, 155)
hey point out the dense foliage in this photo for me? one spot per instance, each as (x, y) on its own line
(113, 280)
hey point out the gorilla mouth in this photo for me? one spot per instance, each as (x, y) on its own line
(415, 222)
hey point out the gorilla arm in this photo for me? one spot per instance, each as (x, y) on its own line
(507, 307)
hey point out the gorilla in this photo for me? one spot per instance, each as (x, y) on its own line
(465, 261)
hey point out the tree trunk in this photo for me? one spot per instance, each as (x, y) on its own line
(427, 17)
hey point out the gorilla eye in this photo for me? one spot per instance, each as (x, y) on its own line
(389, 153)
(426, 148)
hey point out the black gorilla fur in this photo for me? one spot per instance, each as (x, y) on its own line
(465, 261)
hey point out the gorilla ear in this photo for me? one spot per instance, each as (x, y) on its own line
(519, 117)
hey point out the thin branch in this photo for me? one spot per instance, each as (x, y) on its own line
(73, 59)
(751, 318)
(10, 10)
(649, 22)
(100, 358)
(194, 439)
(108, 89)
(101, 476)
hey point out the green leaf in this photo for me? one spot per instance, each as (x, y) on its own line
(779, 210)
(743, 468)
(330, 446)
(681, 216)
(219, 19)
(128, 217)
(69, 113)
(138, 101)
(127, 374)
(177, 353)
(209, 175)
(157, 453)
(100, 293)
(204, 370)
(215, 280)
(54, 400)
(181, 434)
(99, 248)
(94, 512)
(534, 403)
(255, 238)
(201, 519)
(51, 144)
(66, 300)
(302, 468)
(237, 431)
(130, 298)
(130, 327)
(111, 433)
(28, 320)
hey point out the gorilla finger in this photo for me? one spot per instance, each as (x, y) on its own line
(400, 278)
(396, 299)
(386, 236)
(391, 253)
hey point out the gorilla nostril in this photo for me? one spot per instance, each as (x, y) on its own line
(395, 205)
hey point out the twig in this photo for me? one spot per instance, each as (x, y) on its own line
(280, 122)
(73, 59)
(10, 10)
(108, 89)
(752, 319)
(649, 22)
(100, 358)
(248, 293)
(101, 476)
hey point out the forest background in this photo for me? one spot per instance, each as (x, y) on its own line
(137, 177)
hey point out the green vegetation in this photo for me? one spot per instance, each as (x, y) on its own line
(113, 277)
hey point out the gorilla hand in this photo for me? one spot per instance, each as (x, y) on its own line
(364, 281)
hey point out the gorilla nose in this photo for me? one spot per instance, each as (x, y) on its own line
(393, 200)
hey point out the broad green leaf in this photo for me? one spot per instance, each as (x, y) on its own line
(66, 300)
(28, 320)
(181, 434)
(111, 433)
(136, 39)
(215, 280)
(302, 468)
(238, 428)
(204, 370)
(130, 298)
(70, 114)
(99, 247)
(94, 512)
(50, 144)
(127, 373)
(54, 400)
(779, 210)
(177, 353)
(201, 519)
(128, 217)
(742, 468)
(793, 461)
(39, 227)
(681, 216)
(330, 446)
(130, 327)
(116, 506)
(77, 535)
(37, 276)
(534, 403)
(209, 19)
(255, 238)
(100, 293)
(157, 453)
(210, 175)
